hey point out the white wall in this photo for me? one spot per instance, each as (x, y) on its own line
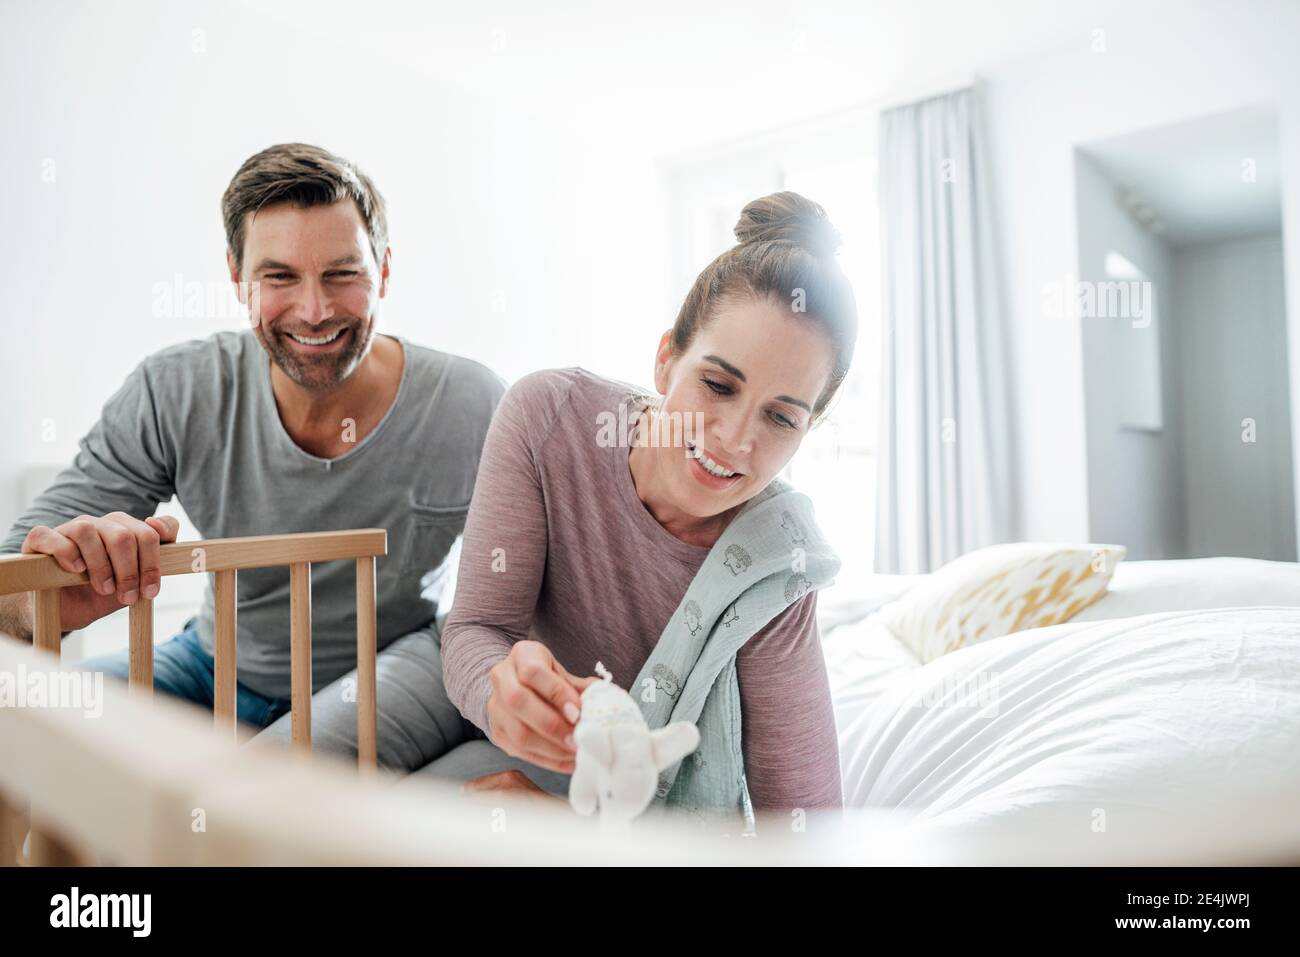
(1135, 476)
(1228, 299)
(516, 232)
(1155, 70)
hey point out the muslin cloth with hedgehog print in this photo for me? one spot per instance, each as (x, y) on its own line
(770, 556)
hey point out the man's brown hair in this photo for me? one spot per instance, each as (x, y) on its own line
(306, 176)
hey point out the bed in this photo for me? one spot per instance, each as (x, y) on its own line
(1175, 694)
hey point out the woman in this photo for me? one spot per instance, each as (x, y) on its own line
(579, 550)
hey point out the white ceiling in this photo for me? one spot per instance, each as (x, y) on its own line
(675, 75)
(1190, 174)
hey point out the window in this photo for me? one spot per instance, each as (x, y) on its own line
(833, 164)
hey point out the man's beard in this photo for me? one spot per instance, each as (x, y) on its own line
(318, 373)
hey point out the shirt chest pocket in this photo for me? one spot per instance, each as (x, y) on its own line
(428, 534)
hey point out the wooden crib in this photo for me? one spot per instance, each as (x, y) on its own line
(130, 786)
(149, 782)
(223, 558)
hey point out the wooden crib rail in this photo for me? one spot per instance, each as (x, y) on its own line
(224, 557)
(19, 573)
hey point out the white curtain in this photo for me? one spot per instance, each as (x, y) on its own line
(944, 446)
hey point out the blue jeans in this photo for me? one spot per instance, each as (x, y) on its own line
(182, 668)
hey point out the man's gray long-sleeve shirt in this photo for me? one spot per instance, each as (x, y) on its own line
(199, 420)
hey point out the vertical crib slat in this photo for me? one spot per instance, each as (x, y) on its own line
(8, 841)
(46, 625)
(47, 634)
(225, 629)
(300, 653)
(366, 628)
(140, 622)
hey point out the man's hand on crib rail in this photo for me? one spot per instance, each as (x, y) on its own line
(534, 705)
(119, 553)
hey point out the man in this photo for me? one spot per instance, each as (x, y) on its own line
(310, 421)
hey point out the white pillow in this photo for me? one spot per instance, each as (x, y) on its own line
(1142, 588)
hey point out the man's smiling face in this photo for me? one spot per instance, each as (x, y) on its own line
(315, 289)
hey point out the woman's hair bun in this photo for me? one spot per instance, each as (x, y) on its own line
(789, 218)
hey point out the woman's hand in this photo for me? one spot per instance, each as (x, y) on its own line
(513, 783)
(534, 705)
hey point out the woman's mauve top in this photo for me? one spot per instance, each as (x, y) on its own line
(558, 548)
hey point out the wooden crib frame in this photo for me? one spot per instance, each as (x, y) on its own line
(43, 578)
(124, 786)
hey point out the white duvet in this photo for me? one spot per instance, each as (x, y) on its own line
(1087, 728)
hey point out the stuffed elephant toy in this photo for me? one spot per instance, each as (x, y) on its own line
(619, 758)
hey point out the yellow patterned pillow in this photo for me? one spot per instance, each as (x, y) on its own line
(994, 591)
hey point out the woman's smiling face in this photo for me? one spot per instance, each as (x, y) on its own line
(745, 389)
